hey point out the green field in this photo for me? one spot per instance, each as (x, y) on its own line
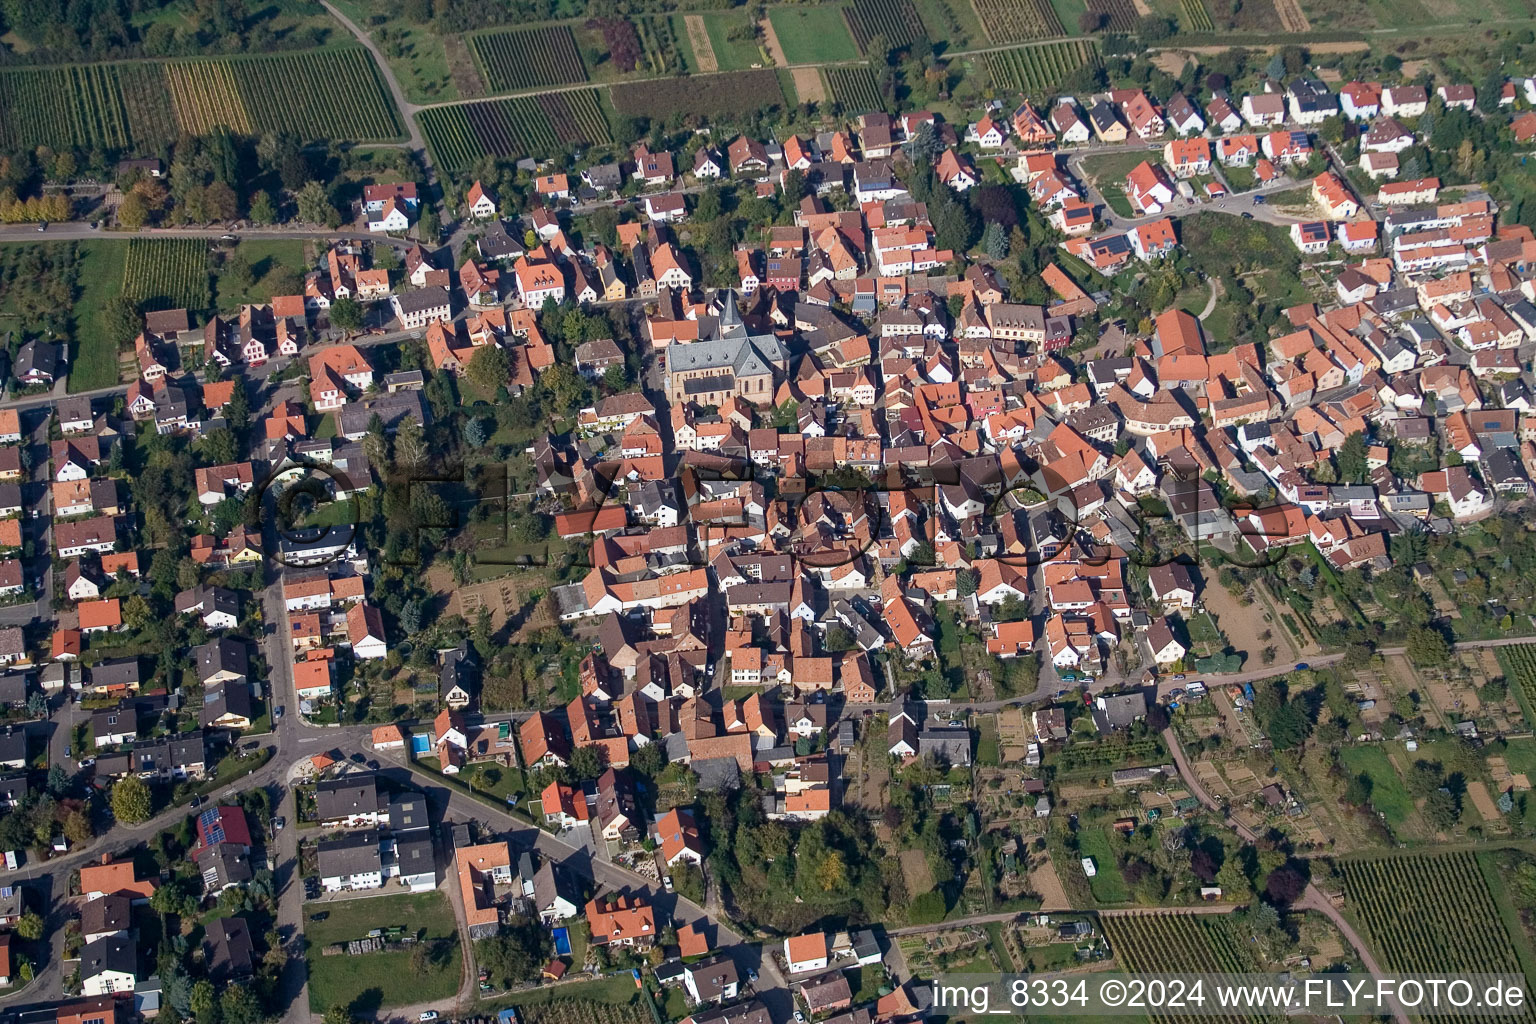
(94, 361)
(377, 981)
(951, 24)
(264, 256)
(1109, 884)
(737, 54)
(1108, 174)
(1388, 795)
(813, 35)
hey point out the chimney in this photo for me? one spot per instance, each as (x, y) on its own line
(106, 858)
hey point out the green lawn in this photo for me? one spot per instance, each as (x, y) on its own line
(987, 752)
(1108, 175)
(813, 35)
(493, 782)
(1240, 179)
(415, 52)
(1388, 795)
(953, 24)
(732, 55)
(93, 363)
(377, 981)
(1109, 884)
(1521, 756)
(264, 256)
(1068, 12)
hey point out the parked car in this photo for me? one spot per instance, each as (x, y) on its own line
(427, 1015)
(1302, 666)
(320, 916)
(666, 882)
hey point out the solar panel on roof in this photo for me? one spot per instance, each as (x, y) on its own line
(213, 826)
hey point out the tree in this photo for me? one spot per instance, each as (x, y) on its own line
(132, 213)
(1442, 810)
(1154, 28)
(488, 368)
(1357, 793)
(122, 318)
(347, 314)
(131, 800)
(314, 205)
(1090, 22)
(337, 1014)
(77, 828)
(58, 779)
(832, 872)
(995, 241)
(238, 1005)
(426, 224)
(204, 1002)
(477, 432)
(925, 144)
(262, 210)
(30, 926)
(649, 760)
(1427, 647)
(588, 762)
(1490, 91)
(410, 443)
(1284, 885)
(1289, 726)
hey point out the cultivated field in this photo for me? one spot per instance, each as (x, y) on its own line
(1117, 15)
(896, 20)
(1017, 21)
(1035, 70)
(742, 92)
(854, 87)
(544, 123)
(1431, 913)
(1193, 16)
(62, 107)
(146, 104)
(527, 58)
(1178, 943)
(167, 273)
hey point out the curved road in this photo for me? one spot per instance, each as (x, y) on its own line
(1312, 898)
(417, 143)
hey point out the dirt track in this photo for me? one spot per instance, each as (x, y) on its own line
(698, 38)
(771, 41)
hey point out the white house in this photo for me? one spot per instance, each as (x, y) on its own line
(806, 953)
(351, 863)
(391, 219)
(108, 966)
(1404, 100)
(365, 631)
(482, 205)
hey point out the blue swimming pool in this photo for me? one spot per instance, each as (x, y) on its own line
(562, 942)
(421, 743)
